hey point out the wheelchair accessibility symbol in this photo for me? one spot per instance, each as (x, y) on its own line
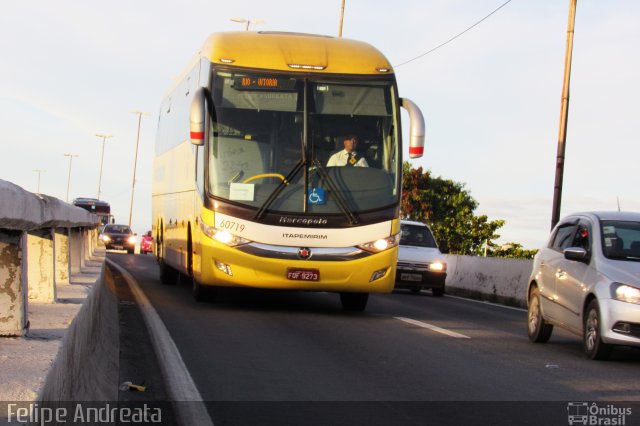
(315, 196)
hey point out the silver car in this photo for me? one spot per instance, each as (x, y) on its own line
(421, 265)
(587, 280)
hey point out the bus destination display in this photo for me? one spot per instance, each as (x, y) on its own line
(251, 82)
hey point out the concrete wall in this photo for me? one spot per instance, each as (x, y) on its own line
(30, 260)
(489, 278)
(61, 256)
(86, 367)
(13, 298)
(40, 267)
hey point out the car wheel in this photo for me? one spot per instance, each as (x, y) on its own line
(594, 347)
(129, 251)
(538, 329)
(437, 292)
(354, 302)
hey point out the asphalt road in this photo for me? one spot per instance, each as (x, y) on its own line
(447, 358)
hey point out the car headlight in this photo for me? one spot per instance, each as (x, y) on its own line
(382, 244)
(106, 238)
(437, 267)
(222, 236)
(625, 293)
(131, 240)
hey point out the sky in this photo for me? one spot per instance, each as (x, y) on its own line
(491, 98)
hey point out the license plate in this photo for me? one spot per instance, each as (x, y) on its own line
(303, 274)
(410, 277)
(118, 247)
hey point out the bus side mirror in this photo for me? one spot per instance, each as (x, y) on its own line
(416, 128)
(198, 115)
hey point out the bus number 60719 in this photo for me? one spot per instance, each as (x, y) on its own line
(232, 226)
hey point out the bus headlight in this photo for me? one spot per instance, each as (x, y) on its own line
(382, 244)
(222, 236)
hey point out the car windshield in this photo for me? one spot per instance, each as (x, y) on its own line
(621, 240)
(273, 140)
(117, 229)
(414, 235)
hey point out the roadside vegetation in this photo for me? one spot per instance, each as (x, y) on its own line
(448, 208)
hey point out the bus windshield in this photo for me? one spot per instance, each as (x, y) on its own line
(277, 142)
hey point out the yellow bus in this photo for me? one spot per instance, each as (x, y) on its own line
(245, 190)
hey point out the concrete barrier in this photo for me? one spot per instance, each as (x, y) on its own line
(40, 267)
(30, 262)
(489, 278)
(13, 298)
(86, 366)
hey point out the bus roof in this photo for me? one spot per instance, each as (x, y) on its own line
(295, 51)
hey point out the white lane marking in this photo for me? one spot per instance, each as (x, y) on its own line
(484, 302)
(180, 384)
(433, 327)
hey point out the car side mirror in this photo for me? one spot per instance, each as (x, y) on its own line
(578, 254)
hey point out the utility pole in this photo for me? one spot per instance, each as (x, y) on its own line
(69, 178)
(38, 171)
(341, 20)
(104, 139)
(564, 112)
(135, 163)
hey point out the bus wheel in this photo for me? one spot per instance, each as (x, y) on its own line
(202, 293)
(168, 275)
(354, 302)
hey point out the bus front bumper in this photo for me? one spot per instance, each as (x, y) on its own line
(228, 266)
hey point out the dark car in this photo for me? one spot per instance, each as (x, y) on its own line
(146, 243)
(118, 237)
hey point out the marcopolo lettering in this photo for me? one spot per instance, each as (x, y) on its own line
(307, 221)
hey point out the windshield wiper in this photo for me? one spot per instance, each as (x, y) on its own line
(342, 203)
(272, 197)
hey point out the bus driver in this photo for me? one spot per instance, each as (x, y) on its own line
(348, 156)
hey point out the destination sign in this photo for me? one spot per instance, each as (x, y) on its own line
(263, 82)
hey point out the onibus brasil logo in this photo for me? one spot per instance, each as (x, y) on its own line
(583, 413)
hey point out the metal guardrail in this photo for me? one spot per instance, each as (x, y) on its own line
(42, 241)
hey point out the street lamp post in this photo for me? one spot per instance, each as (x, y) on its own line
(341, 20)
(69, 178)
(247, 22)
(39, 171)
(135, 163)
(104, 139)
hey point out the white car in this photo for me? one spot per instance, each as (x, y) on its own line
(587, 280)
(421, 265)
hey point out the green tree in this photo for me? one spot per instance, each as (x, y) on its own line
(510, 250)
(448, 208)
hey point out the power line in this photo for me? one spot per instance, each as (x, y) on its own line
(454, 37)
